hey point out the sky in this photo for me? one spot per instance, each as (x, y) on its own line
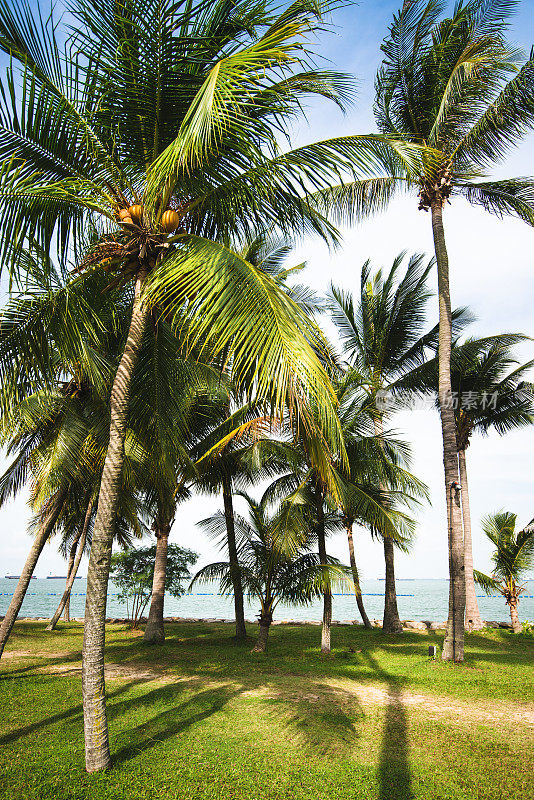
(492, 271)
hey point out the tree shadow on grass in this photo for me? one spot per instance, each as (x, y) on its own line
(394, 772)
(38, 662)
(69, 714)
(172, 721)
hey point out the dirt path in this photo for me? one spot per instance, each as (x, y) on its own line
(342, 692)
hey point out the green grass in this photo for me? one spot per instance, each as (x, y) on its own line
(200, 717)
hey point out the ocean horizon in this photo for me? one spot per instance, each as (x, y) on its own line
(427, 599)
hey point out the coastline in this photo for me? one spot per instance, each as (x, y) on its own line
(407, 624)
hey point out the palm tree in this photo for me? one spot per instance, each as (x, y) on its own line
(157, 131)
(513, 556)
(364, 484)
(383, 338)
(79, 546)
(221, 463)
(47, 518)
(377, 465)
(58, 344)
(486, 395)
(456, 88)
(235, 451)
(172, 403)
(269, 574)
(502, 402)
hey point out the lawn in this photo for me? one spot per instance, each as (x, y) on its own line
(200, 717)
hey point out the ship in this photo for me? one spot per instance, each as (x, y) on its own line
(16, 577)
(62, 577)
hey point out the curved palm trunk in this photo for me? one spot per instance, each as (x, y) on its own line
(70, 566)
(453, 646)
(155, 631)
(327, 595)
(514, 616)
(356, 578)
(97, 756)
(391, 622)
(45, 529)
(265, 625)
(235, 569)
(473, 621)
(82, 537)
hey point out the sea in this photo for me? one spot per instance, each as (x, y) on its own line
(417, 600)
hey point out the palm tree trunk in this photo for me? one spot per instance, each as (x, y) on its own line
(70, 565)
(356, 578)
(265, 625)
(516, 625)
(327, 595)
(45, 529)
(391, 622)
(155, 631)
(453, 646)
(97, 755)
(82, 536)
(235, 569)
(473, 621)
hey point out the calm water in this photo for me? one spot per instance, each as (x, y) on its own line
(417, 599)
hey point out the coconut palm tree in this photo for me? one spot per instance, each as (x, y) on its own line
(269, 574)
(383, 337)
(236, 451)
(54, 438)
(157, 130)
(379, 465)
(58, 344)
(368, 490)
(489, 393)
(224, 460)
(45, 522)
(503, 402)
(456, 87)
(80, 544)
(175, 401)
(513, 556)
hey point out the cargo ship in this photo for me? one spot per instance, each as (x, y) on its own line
(62, 577)
(16, 577)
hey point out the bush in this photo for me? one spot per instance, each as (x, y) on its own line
(132, 571)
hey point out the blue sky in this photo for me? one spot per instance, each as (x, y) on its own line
(492, 271)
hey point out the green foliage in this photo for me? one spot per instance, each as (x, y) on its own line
(512, 558)
(514, 550)
(178, 105)
(453, 85)
(269, 573)
(132, 571)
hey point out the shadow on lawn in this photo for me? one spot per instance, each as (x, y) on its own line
(172, 721)
(394, 773)
(315, 719)
(67, 715)
(320, 718)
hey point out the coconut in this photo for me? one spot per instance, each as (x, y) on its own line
(170, 220)
(136, 213)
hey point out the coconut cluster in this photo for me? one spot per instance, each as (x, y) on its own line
(134, 215)
(136, 241)
(439, 187)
